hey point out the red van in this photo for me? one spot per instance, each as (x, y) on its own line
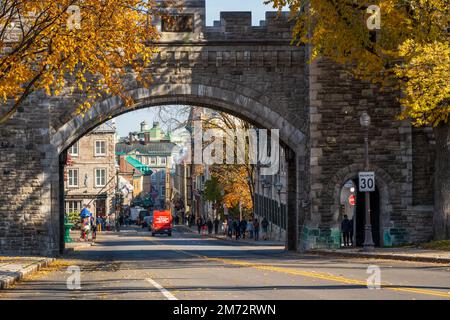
(162, 223)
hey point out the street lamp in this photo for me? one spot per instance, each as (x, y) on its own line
(266, 185)
(279, 187)
(368, 239)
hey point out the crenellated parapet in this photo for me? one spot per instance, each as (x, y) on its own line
(189, 25)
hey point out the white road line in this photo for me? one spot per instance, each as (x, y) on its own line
(166, 293)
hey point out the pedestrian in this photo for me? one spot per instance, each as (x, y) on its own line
(265, 228)
(210, 226)
(99, 224)
(84, 217)
(250, 228)
(216, 225)
(204, 226)
(256, 229)
(199, 225)
(236, 229)
(243, 227)
(230, 227)
(346, 227)
(93, 227)
(86, 228)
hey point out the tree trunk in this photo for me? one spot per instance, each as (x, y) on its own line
(441, 215)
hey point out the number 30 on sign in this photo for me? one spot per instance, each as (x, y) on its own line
(367, 182)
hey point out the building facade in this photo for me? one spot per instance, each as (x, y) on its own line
(152, 148)
(90, 175)
(270, 199)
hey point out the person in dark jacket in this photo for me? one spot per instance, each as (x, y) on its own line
(210, 226)
(236, 229)
(216, 225)
(243, 227)
(346, 227)
(199, 225)
(256, 229)
(230, 227)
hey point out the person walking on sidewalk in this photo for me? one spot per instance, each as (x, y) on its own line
(347, 228)
(250, 228)
(236, 229)
(93, 227)
(216, 225)
(199, 225)
(256, 229)
(230, 227)
(265, 227)
(210, 226)
(84, 216)
(243, 227)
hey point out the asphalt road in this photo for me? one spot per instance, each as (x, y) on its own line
(134, 265)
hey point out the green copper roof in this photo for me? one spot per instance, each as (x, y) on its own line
(145, 170)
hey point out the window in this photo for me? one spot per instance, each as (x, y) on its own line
(73, 150)
(163, 191)
(73, 206)
(100, 148)
(163, 160)
(178, 23)
(153, 160)
(73, 178)
(100, 177)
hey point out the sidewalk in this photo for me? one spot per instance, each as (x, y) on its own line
(403, 254)
(13, 269)
(223, 237)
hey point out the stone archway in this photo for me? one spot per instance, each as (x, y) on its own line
(256, 111)
(385, 185)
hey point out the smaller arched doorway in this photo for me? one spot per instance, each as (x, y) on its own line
(353, 204)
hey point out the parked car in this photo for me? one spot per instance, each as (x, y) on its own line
(148, 222)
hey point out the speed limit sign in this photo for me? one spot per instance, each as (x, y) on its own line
(367, 182)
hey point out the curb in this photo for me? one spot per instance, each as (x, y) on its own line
(76, 248)
(8, 281)
(380, 256)
(260, 243)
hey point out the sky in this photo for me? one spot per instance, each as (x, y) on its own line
(213, 8)
(129, 122)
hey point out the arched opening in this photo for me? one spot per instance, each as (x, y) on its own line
(67, 136)
(381, 206)
(353, 206)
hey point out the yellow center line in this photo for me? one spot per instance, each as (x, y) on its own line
(317, 275)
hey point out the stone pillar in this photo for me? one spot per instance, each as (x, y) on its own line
(29, 225)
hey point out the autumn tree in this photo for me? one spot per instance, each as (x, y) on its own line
(85, 45)
(235, 180)
(409, 50)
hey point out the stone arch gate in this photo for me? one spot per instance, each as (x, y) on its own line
(216, 98)
(252, 72)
